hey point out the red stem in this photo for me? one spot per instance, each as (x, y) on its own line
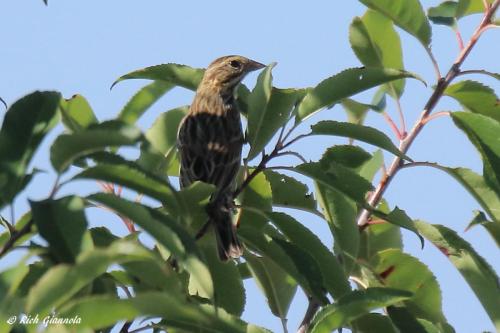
(429, 107)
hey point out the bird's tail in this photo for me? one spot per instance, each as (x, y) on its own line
(228, 244)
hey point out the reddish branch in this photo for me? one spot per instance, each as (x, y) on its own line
(442, 84)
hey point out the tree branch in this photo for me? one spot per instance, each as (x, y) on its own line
(308, 317)
(442, 84)
(15, 237)
(277, 151)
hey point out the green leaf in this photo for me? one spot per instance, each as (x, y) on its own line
(476, 185)
(445, 13)
(21, 223)
(376, 44)
(264, 122)
(258, 195)
(340, 213)
(11, 281)
(63, 281)
(379, 237)
(407, 14)
(229, 293)
(182, 76)
(405, 321)
(345, 84)
(278, 287)
(167, 232)
(400, 218)
(356, 111)
(288, 192)
(62, 224)
(338, 178)
(307, 266)
(76, 113)
(334, 278)
(372, 166)
(175, 74)
(488, 199)
(475, 97)
(158, 154)
(401, 271)
(266, 245)
(130, 175)
(142, 100)
(483, 133)
(493, 228)
(25, 125)
(69, 147)
(468, 7)
(349, 156)
(354, 305)
(339, 210)
(477, 272)
(358, 132)
(374, 323)
(257, 104)
(102, 311)
(193, 200)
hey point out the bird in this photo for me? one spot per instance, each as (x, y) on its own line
(210, 141)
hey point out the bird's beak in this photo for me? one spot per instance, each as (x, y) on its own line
(254, 65)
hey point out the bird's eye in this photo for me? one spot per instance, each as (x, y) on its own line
(235, 64)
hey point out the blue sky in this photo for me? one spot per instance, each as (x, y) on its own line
(83, 46)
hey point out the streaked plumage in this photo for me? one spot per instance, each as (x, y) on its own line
(210, 140)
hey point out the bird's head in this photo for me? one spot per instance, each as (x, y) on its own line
(227, 72)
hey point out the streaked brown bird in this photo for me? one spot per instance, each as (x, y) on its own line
(210, 139)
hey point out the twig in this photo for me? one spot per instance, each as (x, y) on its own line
(12, 214)
(292, 153)
(399, 108)
(55, 187)
(459, 39)
(140, 329)
(429, 107)
(14, 237)
(3, 102)
(391, 123)
(488, 26)
(478, 71)
(297, 138)
(371, 222)
(126, 327)
(203, 230)
(358, 281)
(401, 117)
(436, 115)
(110, 188)
(418, 164)
(434, 63)
(253, 174)
(10, 227)
(283, 325)
(287, 135)
(310, 312)
(282, 132)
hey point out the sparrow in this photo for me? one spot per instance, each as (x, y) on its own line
(210, 140)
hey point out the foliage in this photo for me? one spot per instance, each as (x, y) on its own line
(175, 282)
